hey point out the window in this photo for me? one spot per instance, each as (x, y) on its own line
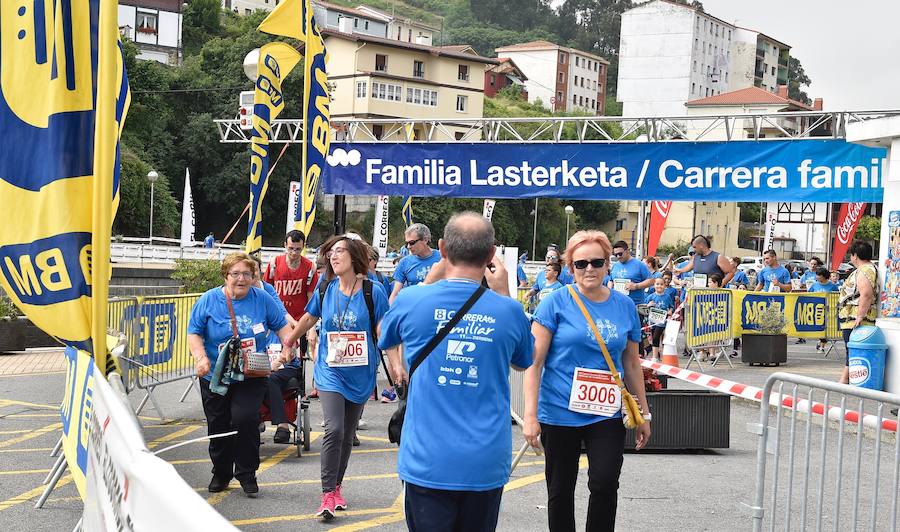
(418, 69)
(695, 66)
(576, 60)
(574, 99)
(559, 77)
(576, 81)
(146, 22)
(726, 77)
(493, 79)
(693, 88)
(729, 35)
(581, 101)
(562, 58)
(593, 103)
(463, 73)
(248, 11)
(430, 98)
(620, 224)
(559, 96)
(462, 103)
(582, 82)
(773, 71)
(409, 36)
(386, 91)
(458, 135)
(355, 22)
(707, 91)
(367, 24)
(360, 89)
(413, 95)
(594, 84)
(596, 66)
(380, 63)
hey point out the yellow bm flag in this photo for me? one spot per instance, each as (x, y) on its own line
(294, 18)
(59, 179)
(276, 60)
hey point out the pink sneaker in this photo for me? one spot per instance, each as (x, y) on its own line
(326, 509)
(339, 502)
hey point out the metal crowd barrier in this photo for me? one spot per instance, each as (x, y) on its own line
(809, 484)
(157, 350)
(708, 324)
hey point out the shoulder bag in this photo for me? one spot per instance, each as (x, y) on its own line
(251, 364)
(631, 411)
(395, 426)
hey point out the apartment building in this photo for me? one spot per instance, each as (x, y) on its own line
(670, 53)
(563, 79)
(154, 26)
(246, 7)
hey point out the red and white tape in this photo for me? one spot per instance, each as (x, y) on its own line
(756, 394)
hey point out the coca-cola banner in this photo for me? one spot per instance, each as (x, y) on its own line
(848, 220)
(659, 212)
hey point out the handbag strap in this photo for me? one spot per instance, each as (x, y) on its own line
(600, 342)
(445, 330)
(234, 328)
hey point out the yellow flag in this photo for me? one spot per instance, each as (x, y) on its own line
(276, 60)
(287, 19)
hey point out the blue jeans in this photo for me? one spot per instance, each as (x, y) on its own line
(432, 510)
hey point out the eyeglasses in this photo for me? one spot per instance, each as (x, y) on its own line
(595, 263)
(619, 254)
(335, 251)
(411, 243)
(240, 275)
(294, 250)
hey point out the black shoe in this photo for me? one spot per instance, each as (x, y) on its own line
(282, 435)
(355, 441)
(250, 487)
(801, 341)
(218, 484)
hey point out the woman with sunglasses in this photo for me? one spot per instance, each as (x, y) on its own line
(346, 359)
(568, 362)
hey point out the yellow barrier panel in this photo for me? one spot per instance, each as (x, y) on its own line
(708, 317)
(807, 315)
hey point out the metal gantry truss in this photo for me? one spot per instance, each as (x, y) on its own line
(600, 129)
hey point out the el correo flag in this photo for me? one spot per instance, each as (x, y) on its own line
(380, 231)
(294, 18)
(659, 212)
(276, 60)
(187, 213)
(64, 99)
(407, 211)
(488, 210)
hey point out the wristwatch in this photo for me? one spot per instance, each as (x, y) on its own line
(647, 416)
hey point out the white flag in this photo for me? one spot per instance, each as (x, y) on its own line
(187, 213)
(380, 234)
(771, 217)
(488, 211)
(293, 198)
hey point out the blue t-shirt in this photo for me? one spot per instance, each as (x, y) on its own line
(573, 345)
(412, 270)
(540, 281)
(635, 271)
(457, 434)
(256, 314)
(548, 289)
(384, 283)
(827, 286)
(357, 382)
(767, 275)
(209, 241)
(740, 278)
(665, 301)
(271, 291)
(808, 275)
(520, 274)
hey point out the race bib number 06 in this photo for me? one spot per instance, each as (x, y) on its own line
(594, 392)
(347, 349)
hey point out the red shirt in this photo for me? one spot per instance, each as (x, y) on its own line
(292, 285)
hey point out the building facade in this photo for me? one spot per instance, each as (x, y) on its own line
(563, 79)
(504, 74)
(670, 53)
(154, 26)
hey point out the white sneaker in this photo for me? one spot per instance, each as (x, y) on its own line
(322, 424)
(362, 424)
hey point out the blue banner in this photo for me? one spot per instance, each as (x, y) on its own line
(772, 170)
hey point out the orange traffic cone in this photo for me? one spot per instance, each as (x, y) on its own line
(670, 355)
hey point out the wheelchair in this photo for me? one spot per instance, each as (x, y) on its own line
(296, 406)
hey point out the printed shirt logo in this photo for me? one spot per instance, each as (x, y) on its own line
(244, 324)
(350, 319)
(608, 330)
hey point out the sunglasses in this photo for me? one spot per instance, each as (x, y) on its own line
(582, 264)
(411, 243)
(619, 254)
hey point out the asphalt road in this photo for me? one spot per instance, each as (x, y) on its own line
(658, 491)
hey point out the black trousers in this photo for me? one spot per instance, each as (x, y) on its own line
(432, 510)
(277, 384)
(234, 456)
(604, 442)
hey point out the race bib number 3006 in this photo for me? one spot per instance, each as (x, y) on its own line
(594, 392)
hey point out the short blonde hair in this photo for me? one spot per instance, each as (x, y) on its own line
(586, 237)
(236, 258)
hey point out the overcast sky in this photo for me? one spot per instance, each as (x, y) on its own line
(850, 50)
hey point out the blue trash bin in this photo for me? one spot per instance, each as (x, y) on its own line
(868, 350)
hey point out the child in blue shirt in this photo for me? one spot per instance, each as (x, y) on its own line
(661, 298)
(823, 284)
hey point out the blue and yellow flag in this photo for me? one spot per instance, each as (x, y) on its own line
(407, 211)
(276, 60)
(294, 18)
(64, 99)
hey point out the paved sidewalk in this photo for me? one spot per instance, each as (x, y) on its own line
(33, 362)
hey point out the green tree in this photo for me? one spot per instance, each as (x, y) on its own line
(751, 212)
(869, 229)
(797, 79)
(133, 217)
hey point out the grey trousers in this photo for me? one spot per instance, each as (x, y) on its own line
(341, 419)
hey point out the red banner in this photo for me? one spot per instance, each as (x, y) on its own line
(659, 211)
(848, 220)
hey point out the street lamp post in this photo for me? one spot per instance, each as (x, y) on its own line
(534, 235)
(152, 176)
(569, 211)
(808, 219)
